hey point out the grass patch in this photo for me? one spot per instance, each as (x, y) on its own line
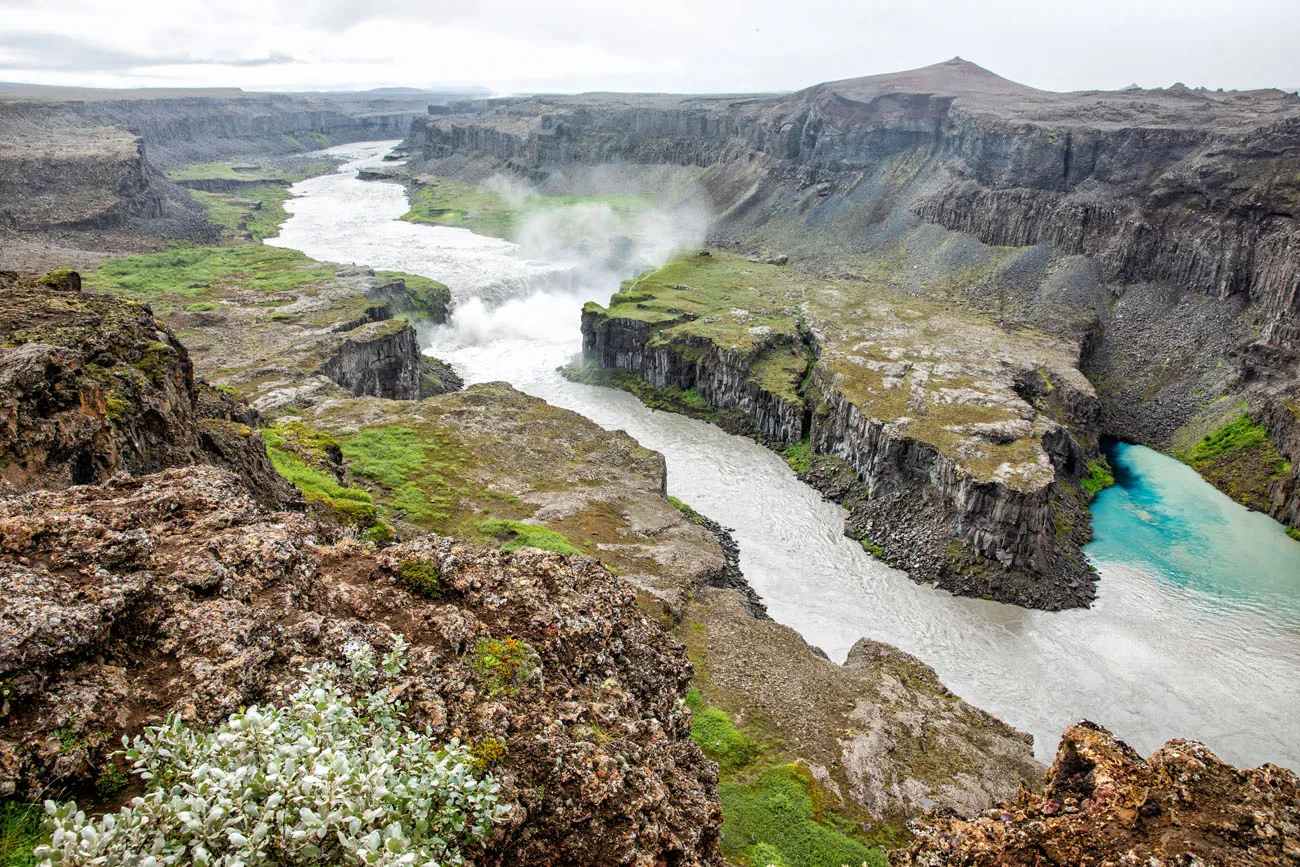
(799, 456)
(690, 514)
(1099, 477)
(1239, 434)
(22, 829)
(319, 488)
(774, 820)
(258, 210)
(516, 534)
(400, 459)
(445, 202)
(229, 171)
(1294, 533)
(773, 813)
(715, 734)
(199, 271)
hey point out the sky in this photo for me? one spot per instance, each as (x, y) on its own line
(665, 45)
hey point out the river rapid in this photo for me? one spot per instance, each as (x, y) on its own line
(1196, 628)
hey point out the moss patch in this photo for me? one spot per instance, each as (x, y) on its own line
(1099, 477)
(1238, 459)
(718, 737)
(516, 534)
(690, 514)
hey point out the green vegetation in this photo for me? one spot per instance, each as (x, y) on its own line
(425, 299)
(401, 460)
(258, 210)
(518, 535)
(110, 780)
(1238, 459)
(21, 831)
(227, 171)
(488, 752)
(422, 577)
(1099, 477)
(319, 488)
(446, 202)
(504, 664)
(799, 456)
(774, 820)
(192, 273)
(872, 548)
(773, 813)
(718, 737)
(1237, 435)
(250, 791)
(1294, 533)
(668, 398)
(691, 515)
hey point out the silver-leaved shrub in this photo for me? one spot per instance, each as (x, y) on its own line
(333, 777)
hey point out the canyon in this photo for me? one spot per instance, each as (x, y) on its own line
(1095, 220)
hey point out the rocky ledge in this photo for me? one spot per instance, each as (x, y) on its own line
(177, 593)
(960, 446)
(1105, 804)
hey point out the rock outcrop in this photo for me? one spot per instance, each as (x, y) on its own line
(91, 386)
(1105, 804)
(177, 594)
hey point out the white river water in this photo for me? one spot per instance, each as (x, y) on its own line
(1160, 654)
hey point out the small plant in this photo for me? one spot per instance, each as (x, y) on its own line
(20, 833)
(422, 577)
(872, 548)
(110, 781)
(1294, 533)
(488, 752)
(331, 777)
(504, 664)
(1099, 477)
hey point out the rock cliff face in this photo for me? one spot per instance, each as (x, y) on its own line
(963, 444)
(184, 596)
(1100, 217)
(1105, 804)
(91, 386)
(381, 359)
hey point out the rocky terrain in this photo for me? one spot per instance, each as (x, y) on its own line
(81, 170)
(1105, 804)
(1151, 232)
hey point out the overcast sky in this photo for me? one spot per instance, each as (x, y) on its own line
(661, 45)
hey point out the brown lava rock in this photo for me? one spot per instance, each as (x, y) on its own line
(1105, 805)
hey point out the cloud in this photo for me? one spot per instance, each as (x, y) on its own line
(669, 45)
(55, 51)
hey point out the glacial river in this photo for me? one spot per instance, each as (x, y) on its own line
(1196, 628)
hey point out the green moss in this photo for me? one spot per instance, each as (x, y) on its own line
(201, 307)
(488, 752)
(775, 816)
(398, 458)
(1294, 533)
(517, 534)
(1099, 477)
(715, 734)
(422, 577)
(799, 456)
(200, 271)
(425, 299)
(668, 398)
(1239, 434)
(22, 829)
(503, 664)
(446, 202)
(691, 515)
(319, 488)
(872, 548)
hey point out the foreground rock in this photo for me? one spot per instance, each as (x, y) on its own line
(1104, 804)
(91, 386)
(177, 593)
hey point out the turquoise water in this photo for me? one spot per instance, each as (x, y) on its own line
(1163, 519)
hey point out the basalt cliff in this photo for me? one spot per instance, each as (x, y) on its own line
(1149, 236)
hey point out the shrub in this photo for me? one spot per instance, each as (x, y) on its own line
(422, 577)
(328, 778)
(504, 664)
